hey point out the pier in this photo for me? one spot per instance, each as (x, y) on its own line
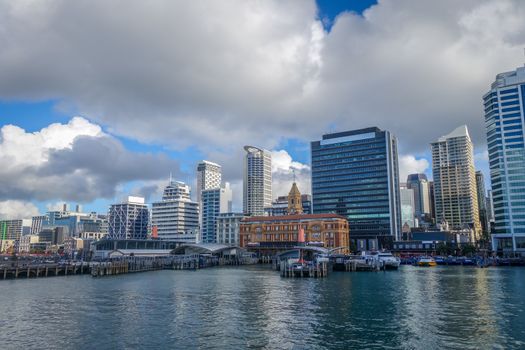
(44, 270)
(312, 269)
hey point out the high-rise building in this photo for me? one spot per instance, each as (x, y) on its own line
(504, 120)
(355, 174)
(482, 203)
(454, 175)
(490, 207)
(214, 202)
(36, 223)
(419, 184)
(208, 177)
(227, 228)
(176, 216)
(432, 201)
(128, 220)
(257, 184)
(14, 229)
(408, 212)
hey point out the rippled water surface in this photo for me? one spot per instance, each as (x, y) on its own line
(253, 307)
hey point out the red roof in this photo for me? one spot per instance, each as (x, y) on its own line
(293, 217)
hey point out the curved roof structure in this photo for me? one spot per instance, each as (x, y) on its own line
(253, 149)
(203, 248)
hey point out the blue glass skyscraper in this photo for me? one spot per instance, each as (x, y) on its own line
(355, 174)
(504, 119)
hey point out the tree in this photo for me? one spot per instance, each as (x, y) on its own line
(444, 249)
(468, 250)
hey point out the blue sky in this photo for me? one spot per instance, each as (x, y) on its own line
(165, 90)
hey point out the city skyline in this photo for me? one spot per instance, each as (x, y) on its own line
(56, 134)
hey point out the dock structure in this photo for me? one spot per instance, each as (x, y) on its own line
(312, 269)
(354, 265)
(44, 270)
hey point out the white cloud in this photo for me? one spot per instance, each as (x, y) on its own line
(13, 209)
(226, 73)
(282, 162)
(71, 162)
(20, 149)
(283, 170)
(408, 164)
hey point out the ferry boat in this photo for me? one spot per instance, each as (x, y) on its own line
(426, 261)
(389, 261)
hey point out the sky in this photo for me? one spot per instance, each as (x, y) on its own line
(103, 99)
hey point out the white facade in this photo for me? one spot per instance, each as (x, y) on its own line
(24, 245)
(407, 207)
(257, 182)
(128, 220)
(214, 202)
(176, 216)
(227, 228)
(455, 190)
(37, 223)
(208, 176)
(504, 107)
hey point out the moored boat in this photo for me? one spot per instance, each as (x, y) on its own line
(426, 261)
(389, 261)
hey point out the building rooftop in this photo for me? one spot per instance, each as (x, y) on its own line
(460, 131)
(293, 217)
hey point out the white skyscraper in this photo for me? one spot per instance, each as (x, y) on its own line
(504, 106)
(455, 181)
(176, 216)
(208, 176)
(257, 182)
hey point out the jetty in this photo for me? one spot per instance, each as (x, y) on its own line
(44, 270)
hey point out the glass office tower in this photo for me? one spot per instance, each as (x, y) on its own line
(355, 174)
(504, 118)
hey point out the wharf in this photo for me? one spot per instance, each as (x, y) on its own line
(310, 269)
(44, 270)
(118, 266)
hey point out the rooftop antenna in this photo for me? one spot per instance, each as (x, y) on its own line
(171, 177)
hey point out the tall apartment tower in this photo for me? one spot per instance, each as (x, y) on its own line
(128, 220)
(419, 184)
(176, 216)
(257, 184)
(504, 120)
(208, 176)
(355, 174)
(455, 192)
(215, 201)
(482, 203)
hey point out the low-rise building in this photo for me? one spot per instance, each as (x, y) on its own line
(227, 228)
(428, 242)
(53, 236)
(24, 245)
(92, 235)
(269, 235)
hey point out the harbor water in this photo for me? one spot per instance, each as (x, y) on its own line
(253, 307)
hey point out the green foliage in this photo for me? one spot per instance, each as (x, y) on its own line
(444, 249)
(468, 250)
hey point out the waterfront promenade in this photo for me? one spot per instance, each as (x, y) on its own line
(252, 307)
